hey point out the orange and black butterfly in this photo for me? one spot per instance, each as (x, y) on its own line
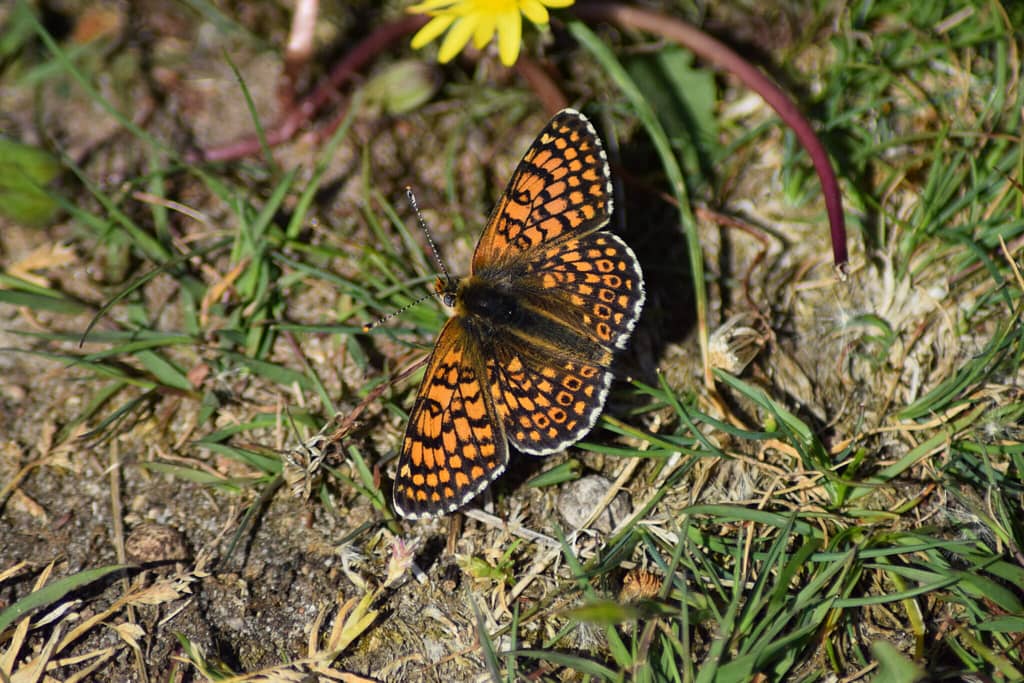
(525, 359)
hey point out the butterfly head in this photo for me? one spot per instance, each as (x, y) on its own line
(446, 287)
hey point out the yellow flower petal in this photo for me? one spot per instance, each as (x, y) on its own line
(429, 6)
(461, 20)
(484, 30)
(431, 30)
(457, 38)
(510, 33)
(534, 10)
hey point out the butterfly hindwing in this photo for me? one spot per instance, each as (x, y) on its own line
(547, 403)
(592, 284)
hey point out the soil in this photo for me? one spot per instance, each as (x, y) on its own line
(245, 592)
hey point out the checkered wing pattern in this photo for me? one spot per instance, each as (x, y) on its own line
(592, 285)
(547, 404)
(526, 358)
(550, 380)
(560, 188)
(454, 443)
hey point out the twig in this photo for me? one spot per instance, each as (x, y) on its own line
(544, 87)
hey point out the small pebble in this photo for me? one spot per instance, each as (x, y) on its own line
(155, 543)
(577, 501)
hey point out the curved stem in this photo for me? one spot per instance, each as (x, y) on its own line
(325, 93)
(722, 57)
(544, 87)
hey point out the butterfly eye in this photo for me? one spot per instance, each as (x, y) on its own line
(449, 299)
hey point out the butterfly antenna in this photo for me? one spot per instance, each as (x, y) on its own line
(437, 257)
(426, 233)
(369, 326)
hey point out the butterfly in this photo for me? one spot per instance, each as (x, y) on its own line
(524, 360)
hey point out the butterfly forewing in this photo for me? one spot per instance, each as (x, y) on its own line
(561, 187)
(454, 444)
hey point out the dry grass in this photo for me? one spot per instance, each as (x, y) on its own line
(198, 488)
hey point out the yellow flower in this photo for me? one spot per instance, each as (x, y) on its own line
(479, 19)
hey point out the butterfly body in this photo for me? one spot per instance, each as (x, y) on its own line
(525, 359)
(493, 313)
(490, 306)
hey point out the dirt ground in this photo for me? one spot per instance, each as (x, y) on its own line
(239, 571)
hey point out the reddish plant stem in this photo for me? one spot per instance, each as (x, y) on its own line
(544, 87)
(711, 50)
(366, 50)
(719, 55)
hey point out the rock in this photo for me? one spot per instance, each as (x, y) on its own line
(578, 499)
